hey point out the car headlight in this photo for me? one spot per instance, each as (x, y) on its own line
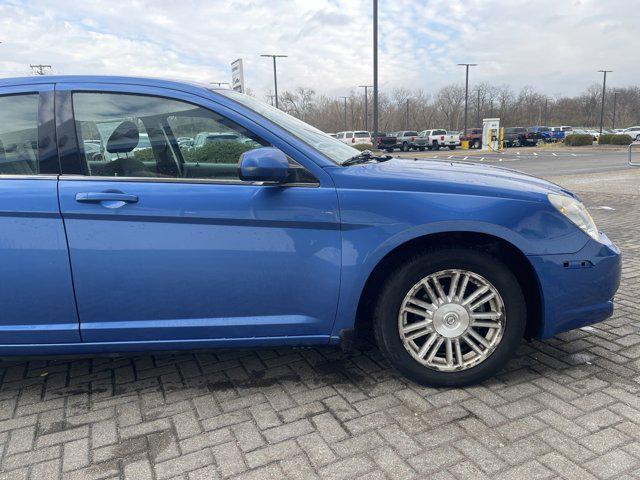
(576, 212)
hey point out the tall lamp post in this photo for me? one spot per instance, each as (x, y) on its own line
(406, 116)
(466, 92)
(615, 101)
(275, 73)
(375, 72)
(345, 112)
(366, 105)
(604, 86)
(478, 109)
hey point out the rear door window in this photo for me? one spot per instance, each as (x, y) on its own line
(19, 134)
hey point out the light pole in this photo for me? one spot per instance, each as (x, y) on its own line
(406, 116)
(604, 86)
(375, 72)
(275, 74)
(478, 109)
(466, 92)
(366, 105)
(615, 101)
(345, 112)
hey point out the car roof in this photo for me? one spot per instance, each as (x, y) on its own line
(188, 86)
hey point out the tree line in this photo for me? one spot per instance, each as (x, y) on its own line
(404, 109)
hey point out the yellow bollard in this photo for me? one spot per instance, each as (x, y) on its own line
(464, 144)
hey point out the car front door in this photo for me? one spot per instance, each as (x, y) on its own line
(168, 244)
(36, 292)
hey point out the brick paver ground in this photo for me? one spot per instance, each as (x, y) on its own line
(564, 408)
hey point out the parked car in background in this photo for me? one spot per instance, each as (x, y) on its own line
(284, 239)
(473, 136)
(387, 141)
(440, 138)
(562, 131)
(204, 138)
(584, 131)
(594, 133)
(546, 135)
(186, 142)
(633, 132)
(354, 137)
(514, 137)
(409, 140)
(520, 137)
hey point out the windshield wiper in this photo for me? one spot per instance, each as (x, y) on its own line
(364, 157)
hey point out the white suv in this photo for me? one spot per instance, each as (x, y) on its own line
(354, 138)
(633, 132)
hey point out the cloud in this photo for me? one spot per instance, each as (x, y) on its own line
(555, 46)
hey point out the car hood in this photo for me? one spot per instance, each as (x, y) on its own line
(445, 177)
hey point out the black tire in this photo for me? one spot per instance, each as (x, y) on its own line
(436, 146)
(452, 147)
(476, 143)
(405, 147)
(637, 138)
(411, 272)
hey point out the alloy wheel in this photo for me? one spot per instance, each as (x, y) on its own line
(451, 320)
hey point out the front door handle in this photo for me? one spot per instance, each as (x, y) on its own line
(107, 199)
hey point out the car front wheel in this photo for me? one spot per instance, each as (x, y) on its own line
(450, 317)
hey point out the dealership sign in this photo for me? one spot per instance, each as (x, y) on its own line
(237, 76)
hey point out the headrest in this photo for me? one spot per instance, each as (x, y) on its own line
(124, 138)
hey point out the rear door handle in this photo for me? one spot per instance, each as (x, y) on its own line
(114, 198)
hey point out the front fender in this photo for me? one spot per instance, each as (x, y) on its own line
(374, 223)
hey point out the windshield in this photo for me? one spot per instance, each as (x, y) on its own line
(333, 149)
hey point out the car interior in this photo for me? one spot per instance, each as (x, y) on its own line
(18, 157)
(165, 158)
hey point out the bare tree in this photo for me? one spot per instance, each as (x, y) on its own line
(418, 110)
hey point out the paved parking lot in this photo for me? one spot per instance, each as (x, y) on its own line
(567, 407)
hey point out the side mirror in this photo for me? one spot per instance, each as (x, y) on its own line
(266, 164)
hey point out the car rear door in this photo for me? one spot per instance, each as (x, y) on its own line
(36, 292)
(168, 244)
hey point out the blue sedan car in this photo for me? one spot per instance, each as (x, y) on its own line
(115, 236)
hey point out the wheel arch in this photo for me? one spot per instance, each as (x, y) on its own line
(497, 246)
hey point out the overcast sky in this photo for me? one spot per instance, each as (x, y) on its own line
(556, 46)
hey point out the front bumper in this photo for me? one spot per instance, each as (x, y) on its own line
(577, 289)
